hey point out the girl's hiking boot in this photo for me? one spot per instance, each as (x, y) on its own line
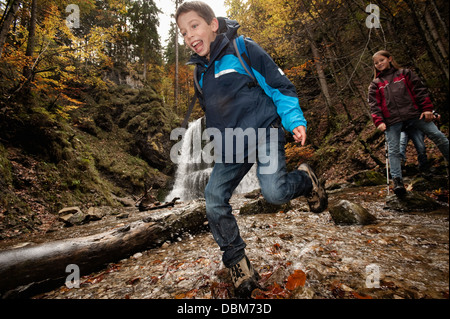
(317, 199)
(399, 188)
(244, 278)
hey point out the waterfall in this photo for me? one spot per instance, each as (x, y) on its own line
(192, 173)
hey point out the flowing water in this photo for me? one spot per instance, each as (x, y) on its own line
(193, 172)
(402, 256)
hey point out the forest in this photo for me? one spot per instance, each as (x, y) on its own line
(89, 94)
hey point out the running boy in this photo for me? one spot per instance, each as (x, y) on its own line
(231, 100)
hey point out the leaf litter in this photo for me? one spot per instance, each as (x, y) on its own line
(299, 255)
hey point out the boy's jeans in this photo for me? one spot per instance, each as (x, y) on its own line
(277, 188)
(393, 138)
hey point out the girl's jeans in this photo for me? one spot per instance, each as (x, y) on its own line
(393, 138)
(417, 137)
(277, 188)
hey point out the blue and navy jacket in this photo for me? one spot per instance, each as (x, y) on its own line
(227, 98)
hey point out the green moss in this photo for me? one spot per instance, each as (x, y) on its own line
(369, 178)
(5, 168)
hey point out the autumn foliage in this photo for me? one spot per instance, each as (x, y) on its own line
(297, 154)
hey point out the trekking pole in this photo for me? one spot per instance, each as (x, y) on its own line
(387, 163)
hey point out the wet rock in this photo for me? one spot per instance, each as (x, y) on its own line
(72, 216)
(125, 201)
(314, 274)
(347, 213)
(424, 183)
(420, 184)
(94, 213)
(69, 210)
(122, 216)
(253, 194)
(411, 202)
(261, 206)
(286, 236)
(368, 178)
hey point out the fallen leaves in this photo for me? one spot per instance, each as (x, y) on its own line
(274, 291)
(187, 295)
(342, 291)
(275, 249)
(220, 290)
(96, 278)
(296, 279)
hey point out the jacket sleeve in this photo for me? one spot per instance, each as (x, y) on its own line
(418, 91)
(375, 101)
(277, 86)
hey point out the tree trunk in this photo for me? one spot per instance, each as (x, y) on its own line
(439, 17)
(321, 75)
(430, 45)
(13, 7)
(29, 270)
(27, 71)
(176, 64)
(434, 33)
(144, 75)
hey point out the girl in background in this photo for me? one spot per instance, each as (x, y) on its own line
(398, 99)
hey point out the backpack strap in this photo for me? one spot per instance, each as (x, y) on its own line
(197, 84)
(241, 52)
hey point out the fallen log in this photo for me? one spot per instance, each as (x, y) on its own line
(29, 270)
(154, 206)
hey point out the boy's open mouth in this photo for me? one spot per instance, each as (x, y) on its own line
(197, 45)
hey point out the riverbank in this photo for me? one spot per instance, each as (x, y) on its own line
(402, 256)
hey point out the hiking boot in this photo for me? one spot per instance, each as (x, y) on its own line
(244, 278)
(399, 188)
(317, 199)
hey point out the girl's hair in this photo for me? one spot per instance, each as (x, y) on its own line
(387, 55)
(201, 8)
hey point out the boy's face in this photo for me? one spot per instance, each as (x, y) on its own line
(381, 62)
(197, 34)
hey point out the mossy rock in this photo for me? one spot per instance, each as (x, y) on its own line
(348, 213)
(261, 206)
(368, 178)
(411, 202)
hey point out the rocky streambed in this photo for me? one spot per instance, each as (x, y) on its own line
(402, 255)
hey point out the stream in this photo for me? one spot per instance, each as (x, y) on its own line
(402, 256)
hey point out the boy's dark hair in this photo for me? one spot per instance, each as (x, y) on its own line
(202, 9)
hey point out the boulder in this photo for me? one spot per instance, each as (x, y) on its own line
(95, 213)
(411, 202)
(420, 184)
(253, 194)
(430, 182)
(261, 206)
(348, 213)
(72, 216)
(368, 178)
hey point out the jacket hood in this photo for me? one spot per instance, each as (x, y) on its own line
(228, 27)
